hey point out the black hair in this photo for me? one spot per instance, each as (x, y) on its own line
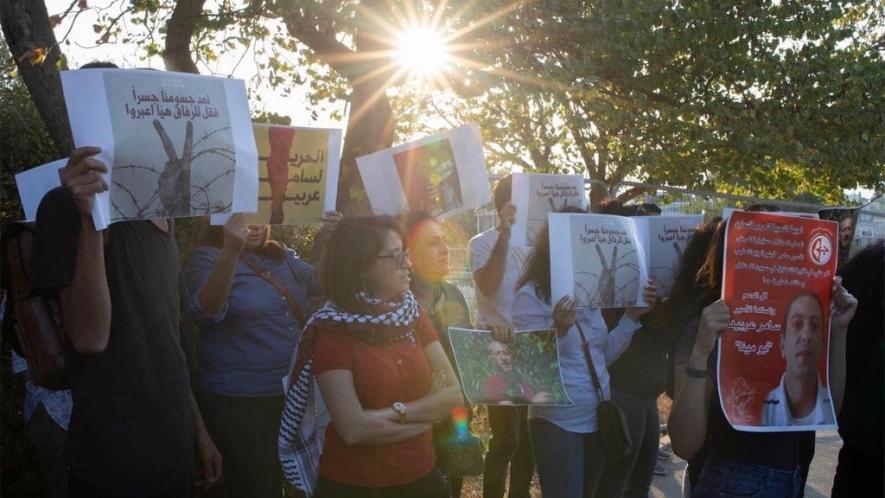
(353, 246)
(502, 191)
(100, 65)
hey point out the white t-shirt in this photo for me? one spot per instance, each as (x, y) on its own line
(530, 312)
(495, 309)
(776, 409)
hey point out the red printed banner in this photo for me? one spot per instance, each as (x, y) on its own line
(773, 358)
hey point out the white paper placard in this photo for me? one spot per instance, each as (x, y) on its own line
(176, 144)
(444, 174)
(34, 183)
(535, 195)
(596, 258)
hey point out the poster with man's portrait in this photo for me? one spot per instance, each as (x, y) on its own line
(772, 364)
(524, 371)
(443, 175)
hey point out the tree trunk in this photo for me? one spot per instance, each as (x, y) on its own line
(370, 122)
(179, 31)
(26, 27)
(372, 130)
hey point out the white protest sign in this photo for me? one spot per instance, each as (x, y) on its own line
(536, 195)
(596, 258)
(34, 183)
(175, 144)
(444, 174)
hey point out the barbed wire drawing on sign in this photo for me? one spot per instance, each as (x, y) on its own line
(614, 284)
(178, 190)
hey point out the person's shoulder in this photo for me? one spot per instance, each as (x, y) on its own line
(203, 253)
(450, 290)
(482, 238)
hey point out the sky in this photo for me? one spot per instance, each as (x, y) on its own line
(80, 51)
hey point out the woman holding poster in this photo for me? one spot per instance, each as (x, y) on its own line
(759, 464)
(248, 294)
(567, 447)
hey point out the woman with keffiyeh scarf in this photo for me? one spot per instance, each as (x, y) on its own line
(382, 374)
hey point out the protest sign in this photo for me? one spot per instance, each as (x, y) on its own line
(847, 220)
(778, 272)
(524, 371)
(597, 259)
(443, 175)
(34, 183)
(297, 174)
(726, 213)
(663, 239)
(174, 143)
(536, 195)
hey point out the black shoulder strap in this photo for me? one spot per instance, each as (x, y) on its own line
(585, 347)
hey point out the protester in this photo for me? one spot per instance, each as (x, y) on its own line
(443, 303)
(248, 295)
(496, 265)
(382, 373)
(567, 446)
(134, 419)
(638, 377)
(802, 343)
(861, 467)
(767, 464)
(686, 296)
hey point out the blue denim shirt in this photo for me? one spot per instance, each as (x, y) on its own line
(245, 349)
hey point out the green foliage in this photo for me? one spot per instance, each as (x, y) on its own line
(771, 99)
(24, 140)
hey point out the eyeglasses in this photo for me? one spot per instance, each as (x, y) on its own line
(399, 258)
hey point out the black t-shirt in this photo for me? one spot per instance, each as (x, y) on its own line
(131, 429)
(780, 450)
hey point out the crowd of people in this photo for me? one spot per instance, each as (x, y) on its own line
(340, 378)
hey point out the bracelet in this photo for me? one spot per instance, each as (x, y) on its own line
(697, 374)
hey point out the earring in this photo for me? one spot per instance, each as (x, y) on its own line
(366, 289)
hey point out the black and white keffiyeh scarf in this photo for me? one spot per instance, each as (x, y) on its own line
(304, 414)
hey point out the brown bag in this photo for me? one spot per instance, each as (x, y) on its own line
(610, 418)
(297, 312)
(34, 319)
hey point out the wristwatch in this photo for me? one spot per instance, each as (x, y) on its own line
(400, 408)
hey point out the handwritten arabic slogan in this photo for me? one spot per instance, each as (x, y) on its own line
(607, 261)
(524, 371)
(174, 153)
(293, 170)
(777, 277)
(536, 195)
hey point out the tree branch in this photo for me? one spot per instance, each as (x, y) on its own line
(179, 31)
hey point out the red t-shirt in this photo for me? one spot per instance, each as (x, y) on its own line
(382, 375)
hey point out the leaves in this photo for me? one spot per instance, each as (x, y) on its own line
(34, 56)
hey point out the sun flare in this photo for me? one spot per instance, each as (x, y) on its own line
(421, 51)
